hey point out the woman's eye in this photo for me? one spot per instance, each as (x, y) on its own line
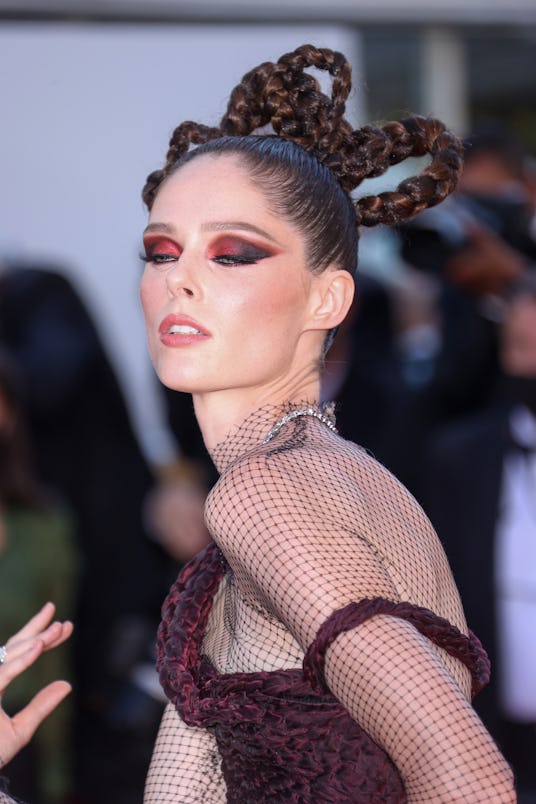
(160, 250)
(230, 251)
(234, 259)
(158, 259)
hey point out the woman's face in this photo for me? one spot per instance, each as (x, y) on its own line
(226, 292)
(518, 343)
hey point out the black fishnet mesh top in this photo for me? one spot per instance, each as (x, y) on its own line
(320, 642)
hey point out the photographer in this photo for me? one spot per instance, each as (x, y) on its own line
(476, 246)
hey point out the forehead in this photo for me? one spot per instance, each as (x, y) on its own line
(214, 179)
(215, 188)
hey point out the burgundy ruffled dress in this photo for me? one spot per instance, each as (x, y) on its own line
(282, 736)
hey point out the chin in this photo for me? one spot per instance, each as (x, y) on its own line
(173, 379)
(179, 384)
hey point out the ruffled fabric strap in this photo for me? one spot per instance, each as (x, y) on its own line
(184, 617)
(468, 649)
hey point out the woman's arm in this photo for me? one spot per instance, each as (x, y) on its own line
(22, 650)
(185, 766)
(392, 682)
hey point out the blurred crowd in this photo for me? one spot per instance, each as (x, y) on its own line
(434, 372)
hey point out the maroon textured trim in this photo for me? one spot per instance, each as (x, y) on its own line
(282, 736)
(468, 649)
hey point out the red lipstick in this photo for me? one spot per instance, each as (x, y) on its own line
(181, 330)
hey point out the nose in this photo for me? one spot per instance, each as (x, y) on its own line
(181, 278)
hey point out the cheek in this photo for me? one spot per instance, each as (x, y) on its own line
(268, 305)
(149, 294)
(255, 323)
(283, 311)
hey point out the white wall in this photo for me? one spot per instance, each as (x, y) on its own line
(87, 113)
(491, 12)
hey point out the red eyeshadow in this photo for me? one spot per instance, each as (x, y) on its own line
(161, 245)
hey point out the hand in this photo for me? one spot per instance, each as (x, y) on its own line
(176, 515)
(487, 265)
(23, 648)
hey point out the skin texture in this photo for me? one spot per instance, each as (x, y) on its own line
(266, 320)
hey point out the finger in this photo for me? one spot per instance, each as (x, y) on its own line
(19, 662)
(28, 719)
(60, 633)
(55, 635)
(38, 622)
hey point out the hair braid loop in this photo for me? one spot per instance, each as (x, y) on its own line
(286, 96)
(414, 136)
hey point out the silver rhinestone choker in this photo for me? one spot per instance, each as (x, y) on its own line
(324, 415)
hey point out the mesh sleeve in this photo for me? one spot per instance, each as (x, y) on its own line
(397, 688)
(185, 765)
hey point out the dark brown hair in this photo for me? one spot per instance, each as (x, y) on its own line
(18, 485)
(308, 167)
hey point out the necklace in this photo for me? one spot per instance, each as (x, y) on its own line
(324, 414)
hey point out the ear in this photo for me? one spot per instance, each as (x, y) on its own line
(331, 298)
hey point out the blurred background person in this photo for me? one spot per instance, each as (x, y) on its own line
(87, 454)
(475, 250)
(38, 563)
(478, 486)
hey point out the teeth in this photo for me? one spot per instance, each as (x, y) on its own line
(182, 329)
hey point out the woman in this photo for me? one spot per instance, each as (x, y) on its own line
(37, 563)
(318, 650)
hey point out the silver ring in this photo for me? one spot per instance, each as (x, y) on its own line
(3, 654)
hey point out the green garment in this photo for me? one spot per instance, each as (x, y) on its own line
(39, 564)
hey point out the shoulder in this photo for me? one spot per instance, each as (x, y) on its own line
(332, 483)
(294, 472)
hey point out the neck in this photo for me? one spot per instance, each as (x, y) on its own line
(219, 412)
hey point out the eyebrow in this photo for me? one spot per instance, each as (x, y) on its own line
(222, 226)
(158, 227)
(215, 226)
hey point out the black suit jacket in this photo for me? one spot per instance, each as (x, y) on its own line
(460, 491)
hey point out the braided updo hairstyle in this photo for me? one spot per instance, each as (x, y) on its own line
(309, 166)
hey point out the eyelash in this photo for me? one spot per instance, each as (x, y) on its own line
(222, 259)
(235, 259)
(158, 259)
